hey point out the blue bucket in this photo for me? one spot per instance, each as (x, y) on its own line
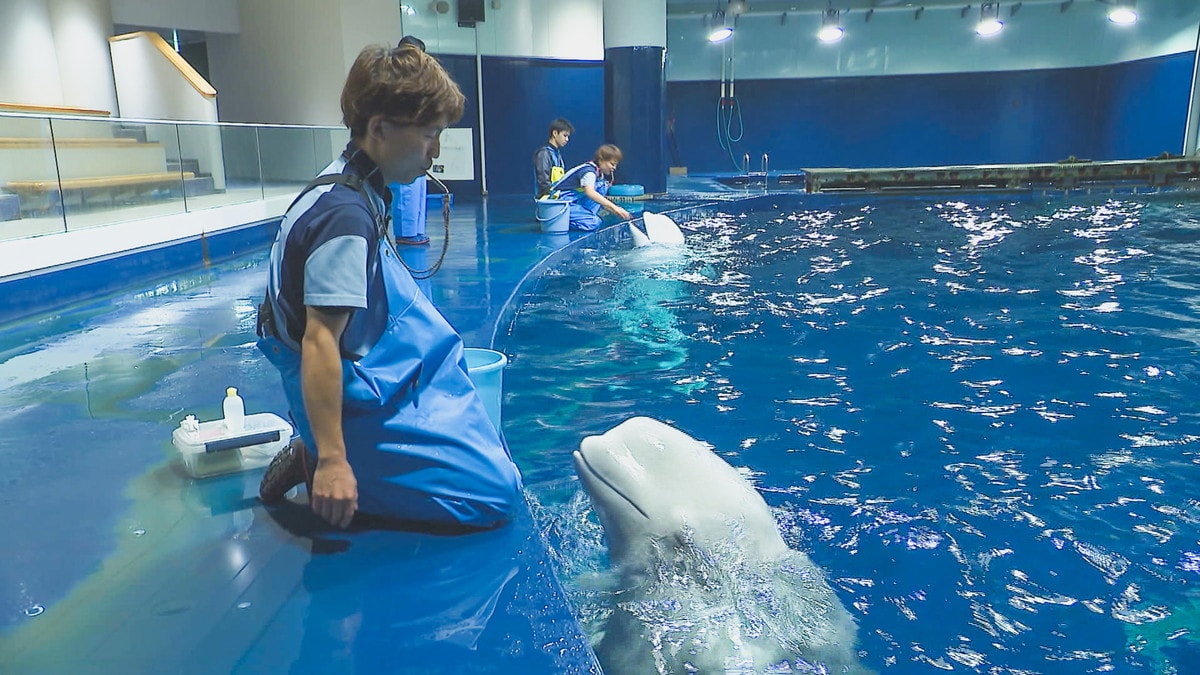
(554, 215)
(486, 368)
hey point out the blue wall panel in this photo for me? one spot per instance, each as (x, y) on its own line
(635, 95)
(1145, 109)
(521, 97)
(1124, 111)
(462, 69)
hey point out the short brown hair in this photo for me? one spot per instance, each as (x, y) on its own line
(608, 153)
(403, 83)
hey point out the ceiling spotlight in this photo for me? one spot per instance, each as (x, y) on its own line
(1124, 13)
(989, 20)
(720, 34)
(831, 26)
(721, 31)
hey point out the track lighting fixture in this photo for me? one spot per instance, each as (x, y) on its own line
(831, 26)
(989, 20)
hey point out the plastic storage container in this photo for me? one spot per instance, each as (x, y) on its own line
(211, 449)
(626, 190)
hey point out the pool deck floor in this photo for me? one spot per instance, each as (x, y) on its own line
(116, 560)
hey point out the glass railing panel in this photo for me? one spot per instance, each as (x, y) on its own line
(59, 174)
(111, 171)
(30, 203)
(220, 165)
(242, 162)
(289, 159)
(328, 143)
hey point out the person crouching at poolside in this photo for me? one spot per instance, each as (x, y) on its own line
(389, 422)
(585, 187)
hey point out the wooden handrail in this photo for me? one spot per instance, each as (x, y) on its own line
(189, 73)
(21, 186)
(53, 109)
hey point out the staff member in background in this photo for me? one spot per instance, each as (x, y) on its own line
(548, 165)
(389, 422)
(408, 211)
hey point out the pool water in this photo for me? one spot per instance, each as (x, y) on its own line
(978, 415)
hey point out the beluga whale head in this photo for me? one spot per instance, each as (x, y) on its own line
(650, 482)
(706, 583)
(660, 229)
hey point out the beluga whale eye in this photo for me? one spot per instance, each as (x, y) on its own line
(700, 562)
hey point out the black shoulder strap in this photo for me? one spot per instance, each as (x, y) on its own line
(570, 172)
(350, 180)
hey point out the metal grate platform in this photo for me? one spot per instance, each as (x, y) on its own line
(1067, 174)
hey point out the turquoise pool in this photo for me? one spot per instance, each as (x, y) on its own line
(976, 413)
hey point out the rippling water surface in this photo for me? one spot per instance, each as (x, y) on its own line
(980, 417)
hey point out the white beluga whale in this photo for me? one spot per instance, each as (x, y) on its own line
(660, 229)
(706, 582)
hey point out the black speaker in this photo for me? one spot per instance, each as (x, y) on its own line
(470, 12)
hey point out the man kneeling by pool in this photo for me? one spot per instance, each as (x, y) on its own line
(389, 422)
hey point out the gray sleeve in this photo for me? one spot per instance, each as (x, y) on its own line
(335, 275)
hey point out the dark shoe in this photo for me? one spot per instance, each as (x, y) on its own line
(417, 240)
(286, 471)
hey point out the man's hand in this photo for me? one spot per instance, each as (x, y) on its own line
(335, 491)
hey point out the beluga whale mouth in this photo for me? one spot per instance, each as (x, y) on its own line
(706, 581)
(596, 482)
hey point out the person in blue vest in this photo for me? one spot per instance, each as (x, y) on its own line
(585, 187)
(408, 200)
(390, 426)
(548, 166)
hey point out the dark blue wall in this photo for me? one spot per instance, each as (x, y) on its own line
(462, 69)
(1124, 111)
(521, 96)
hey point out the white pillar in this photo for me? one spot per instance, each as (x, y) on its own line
(635, 23)
(25, 32)
(81, 29)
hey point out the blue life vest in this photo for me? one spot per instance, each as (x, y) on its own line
(570, 186)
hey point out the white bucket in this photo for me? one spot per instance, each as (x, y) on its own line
(486, 368)
(554, 215)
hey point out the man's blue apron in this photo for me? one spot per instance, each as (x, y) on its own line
(417, 436)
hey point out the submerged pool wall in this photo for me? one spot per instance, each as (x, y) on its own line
(26, 296)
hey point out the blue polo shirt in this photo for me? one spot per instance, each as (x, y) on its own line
(326, 255)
